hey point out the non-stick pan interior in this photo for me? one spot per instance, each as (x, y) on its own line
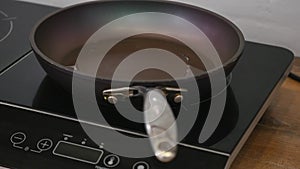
(60, 37)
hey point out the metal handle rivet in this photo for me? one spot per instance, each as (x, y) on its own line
(178, 98)
(112, 100)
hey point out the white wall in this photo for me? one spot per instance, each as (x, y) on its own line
(267, 21)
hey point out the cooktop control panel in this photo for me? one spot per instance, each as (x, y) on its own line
(37, 140)
(65, 148)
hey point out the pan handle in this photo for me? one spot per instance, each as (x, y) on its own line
(160, 125)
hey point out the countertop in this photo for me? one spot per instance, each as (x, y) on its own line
(275, 142)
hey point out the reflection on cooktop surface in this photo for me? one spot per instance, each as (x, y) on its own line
(50, 95)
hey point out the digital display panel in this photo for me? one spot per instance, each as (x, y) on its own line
(78, 152)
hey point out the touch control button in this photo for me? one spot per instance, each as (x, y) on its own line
(141, 165)
(111, 161)
(18, 138)
(44, 144)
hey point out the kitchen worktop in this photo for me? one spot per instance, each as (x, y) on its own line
(275, 142)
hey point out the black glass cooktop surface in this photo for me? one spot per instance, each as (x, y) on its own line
(253, 79)
(34, 107)
(16, 21)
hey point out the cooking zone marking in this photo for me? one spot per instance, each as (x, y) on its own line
(3, 20)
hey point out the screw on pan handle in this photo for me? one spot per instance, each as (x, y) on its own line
(160, 125)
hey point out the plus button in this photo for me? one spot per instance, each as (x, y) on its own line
(44, 144)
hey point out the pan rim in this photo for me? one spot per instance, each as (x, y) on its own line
(43, 56)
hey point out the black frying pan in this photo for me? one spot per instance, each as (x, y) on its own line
(58, 39)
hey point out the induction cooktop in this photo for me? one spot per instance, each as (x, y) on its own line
(39, 127)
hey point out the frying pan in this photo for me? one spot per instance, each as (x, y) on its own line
(58, 41)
